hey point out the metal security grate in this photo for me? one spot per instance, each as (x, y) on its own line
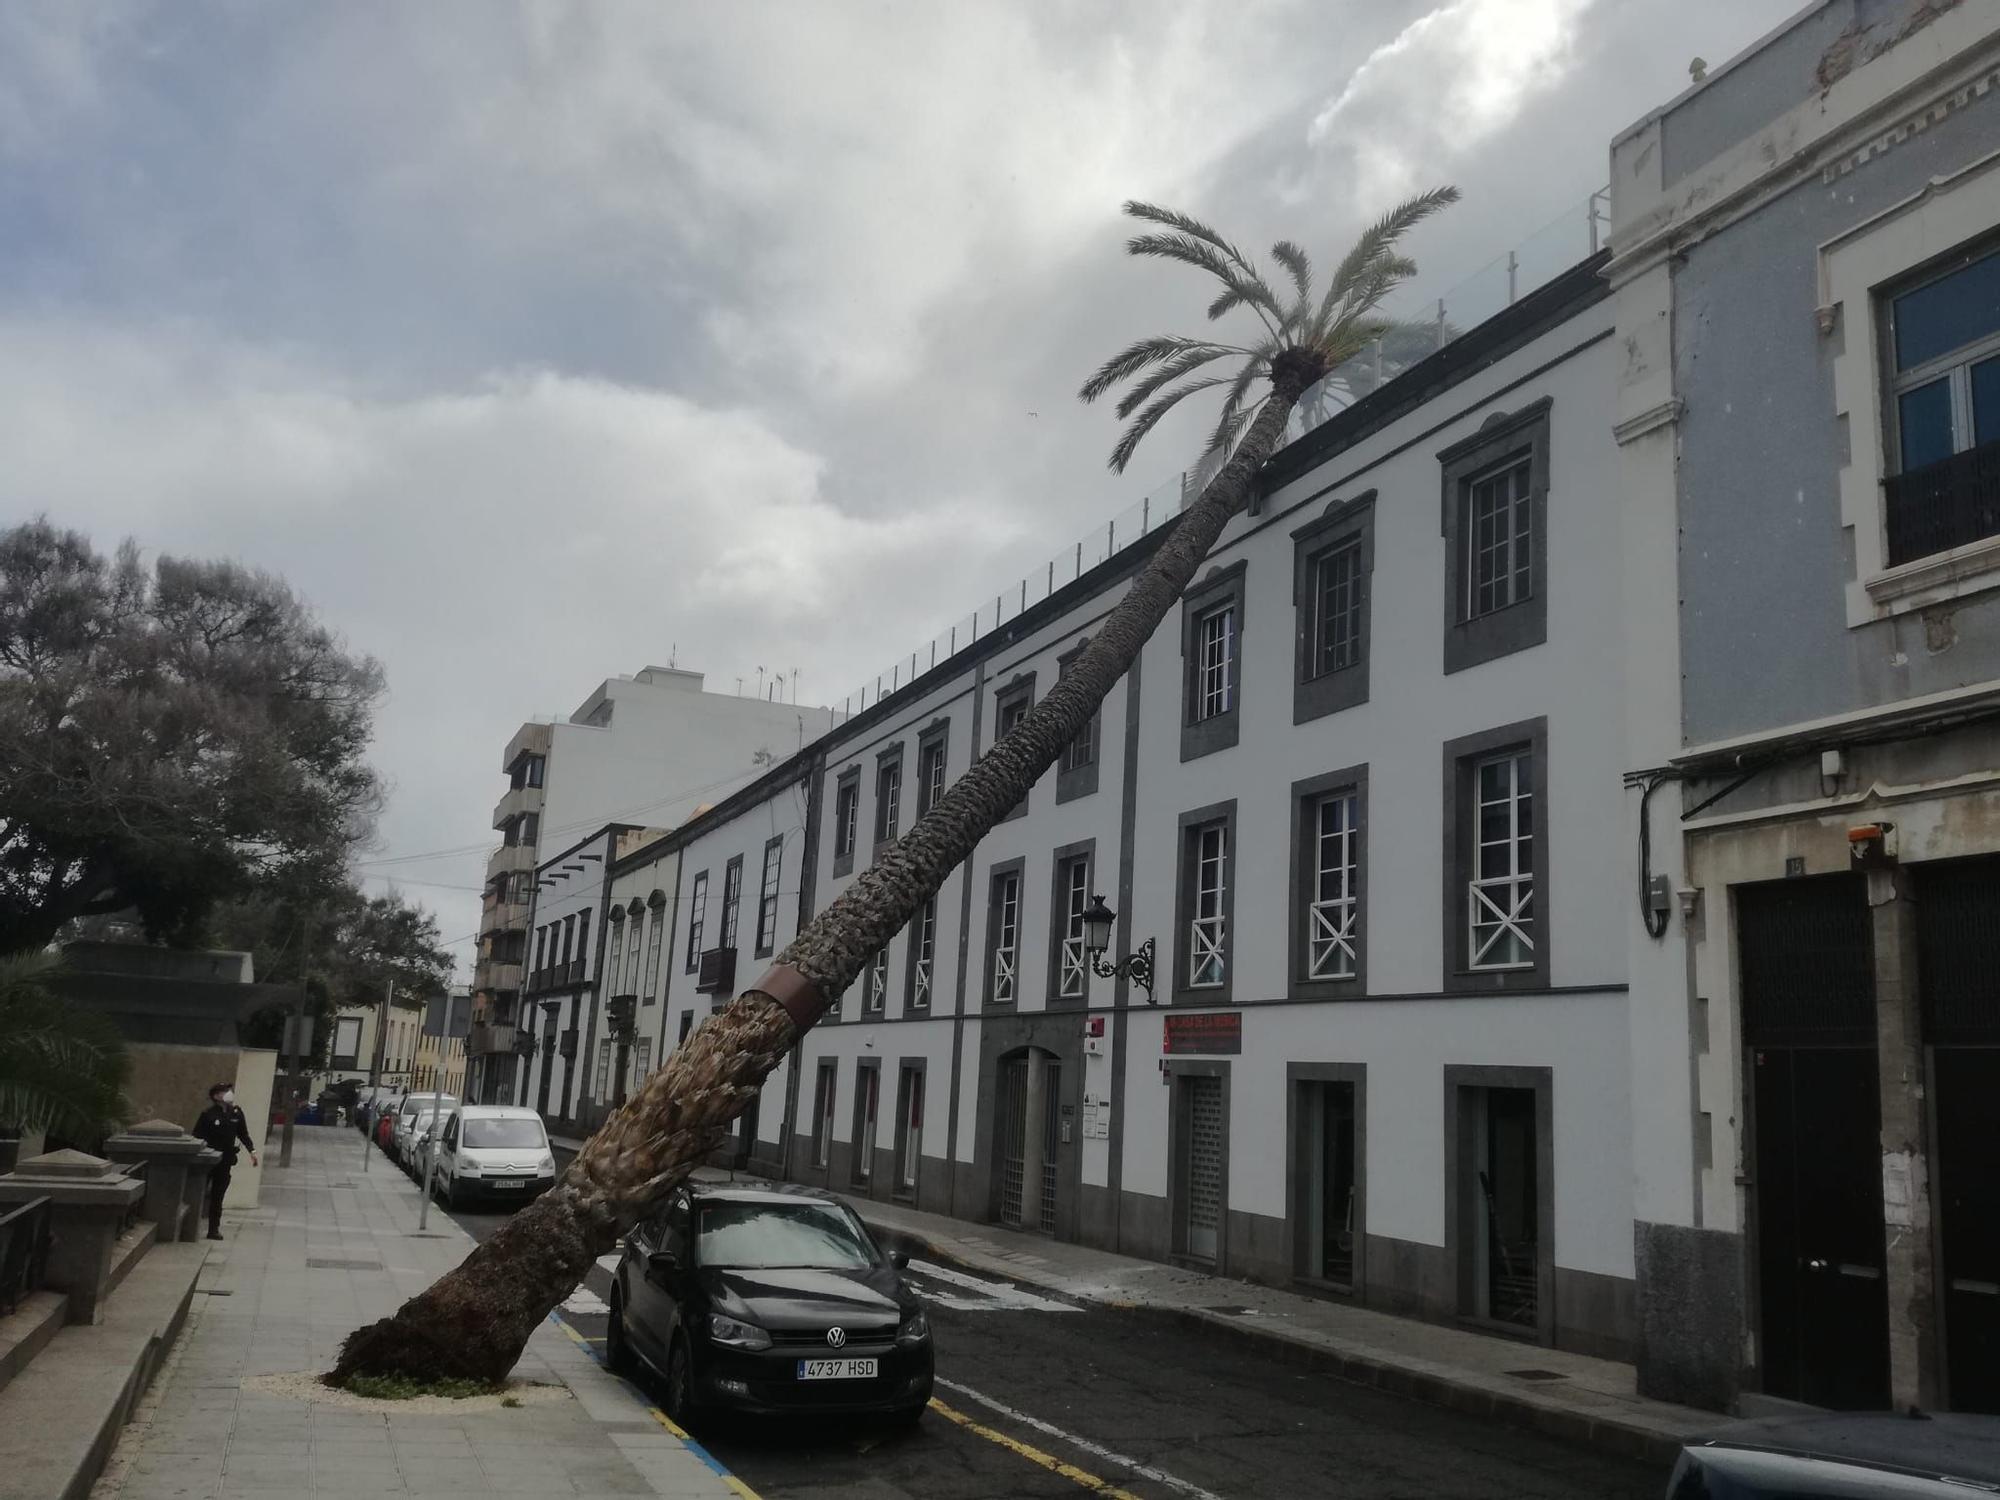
(1051, 1123)
(1204, 1165)
(1958, 950)
(1944, 504)
(1013, 1135)
(1808, 965)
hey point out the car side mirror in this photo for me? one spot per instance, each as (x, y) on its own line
(900, 1259)
(664, 1261)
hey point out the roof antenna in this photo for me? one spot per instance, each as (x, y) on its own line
(673, 655)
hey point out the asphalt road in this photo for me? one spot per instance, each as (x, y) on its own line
(1135, 1403)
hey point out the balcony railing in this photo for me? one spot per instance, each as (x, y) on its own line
(487, 1038)
(1944, 505)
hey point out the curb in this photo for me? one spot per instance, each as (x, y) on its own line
(1618, 1436)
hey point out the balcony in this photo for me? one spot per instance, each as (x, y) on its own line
(504, 916)
(496, 975)
(508, 859)
(487, 1038)
(1943, 505)
(529, 739)
(520, 799)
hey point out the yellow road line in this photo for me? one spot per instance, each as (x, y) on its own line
(1034, 1455)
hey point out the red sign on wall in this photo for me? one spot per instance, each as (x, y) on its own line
(1221, 1032)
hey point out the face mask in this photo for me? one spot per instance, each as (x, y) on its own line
(229, 1097)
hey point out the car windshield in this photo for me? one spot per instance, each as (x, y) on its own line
(517, 1135)
(766, 1236)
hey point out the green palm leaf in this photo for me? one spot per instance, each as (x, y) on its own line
(1148, 419)
(63, 1068)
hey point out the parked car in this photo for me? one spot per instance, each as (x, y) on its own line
(418, 1146)
(412, 1118)
(1838, 1455)
(385, 1122)
(767, 1299)
(496, 1153)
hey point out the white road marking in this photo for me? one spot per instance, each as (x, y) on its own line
(584, 1300)
(994, 1295)
(1095, 1450)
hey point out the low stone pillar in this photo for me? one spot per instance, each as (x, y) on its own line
(88, 1200)
(168, 1152)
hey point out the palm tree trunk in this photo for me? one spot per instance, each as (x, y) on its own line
(475, 1320)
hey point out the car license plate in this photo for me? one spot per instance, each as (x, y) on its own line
(836, 1369)
(514, 1184)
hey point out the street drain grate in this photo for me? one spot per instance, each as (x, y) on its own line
(316, 1264)
(1536, 1375)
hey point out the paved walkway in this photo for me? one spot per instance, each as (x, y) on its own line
(333, 1247)
(1571, 1395)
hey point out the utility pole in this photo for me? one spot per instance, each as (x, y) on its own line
(296, 1040)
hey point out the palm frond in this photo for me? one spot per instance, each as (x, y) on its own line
(1165, 375)
(1378, 239)
(1294, 260)
(1250, 287)
(1129, 361)
(62, 1068)
(1188, 224)
(1148, 419)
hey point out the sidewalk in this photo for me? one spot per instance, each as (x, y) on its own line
(332, 1248)
(1571, 1396)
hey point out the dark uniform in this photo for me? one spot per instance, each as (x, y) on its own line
(222, 1126)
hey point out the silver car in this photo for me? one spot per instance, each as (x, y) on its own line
(412, 1122)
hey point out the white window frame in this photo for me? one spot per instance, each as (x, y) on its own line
(923, 955)
(846, 816)
(875, 998)
(910, 1146)
(1348, 550)
(697, 920)
(824, 1108)
(617, 952)
(1072, 968)
(1208, 936)
(1500, 901)
(930, 762)
(1512, 481)
(732, 901)
(1950, 212)
(1215, 671)
(1333, 905)
(889, 800)
(767, 896)
(1007, 940)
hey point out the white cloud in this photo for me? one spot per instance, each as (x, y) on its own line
(1444, 85)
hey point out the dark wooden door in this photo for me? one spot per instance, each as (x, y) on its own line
(1967, 1095)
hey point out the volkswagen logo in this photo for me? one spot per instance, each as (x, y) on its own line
(836, 1336)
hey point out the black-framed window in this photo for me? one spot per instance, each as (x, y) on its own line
(922, 976)
(1069, 897)
(846, 819)
(697, 920)
(637, 913)
(888, 794)
(1212, 661)
(909, 1126)
(931, 749)
(732, 899)
(875, 983)
(1332, 568)
(1496, 529)
(1002, 984)
(767, 894)
(1010, 706)
(1329, 882)
(1076, 768)
(1205, 905)
(582, 943)
(1942, 391)
(1496, 860)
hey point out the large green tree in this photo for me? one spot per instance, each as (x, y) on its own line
(166, 735)
(476, 1320)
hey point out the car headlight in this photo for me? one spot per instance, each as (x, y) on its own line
(916, 1328)
(547, 1165)
(735, 1334)
(468, 1171)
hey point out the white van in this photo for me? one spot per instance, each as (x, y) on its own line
(493, 1153)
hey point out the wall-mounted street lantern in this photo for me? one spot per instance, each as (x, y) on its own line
(1136, 965)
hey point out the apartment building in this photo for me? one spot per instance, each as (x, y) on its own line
(649, 748)
(1807, 274)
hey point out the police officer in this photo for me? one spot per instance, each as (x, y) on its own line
(221, 1126)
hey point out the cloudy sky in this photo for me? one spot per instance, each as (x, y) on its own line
(535, 342)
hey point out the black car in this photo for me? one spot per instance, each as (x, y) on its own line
(769, 1299)
(1843, 1456)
